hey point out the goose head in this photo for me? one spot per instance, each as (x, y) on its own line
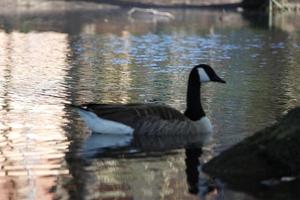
(205, 73)
(199, 74)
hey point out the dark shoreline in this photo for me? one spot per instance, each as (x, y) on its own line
(130, 4)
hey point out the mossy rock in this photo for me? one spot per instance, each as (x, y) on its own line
(273, 152)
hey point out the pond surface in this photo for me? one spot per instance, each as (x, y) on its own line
(52, 58)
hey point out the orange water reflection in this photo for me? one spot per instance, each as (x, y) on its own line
(32, 140)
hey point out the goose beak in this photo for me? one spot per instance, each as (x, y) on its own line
(218, 79)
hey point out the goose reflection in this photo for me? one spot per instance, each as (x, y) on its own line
(198, 183)
(128, 146)
(109, 145)
(97, 144)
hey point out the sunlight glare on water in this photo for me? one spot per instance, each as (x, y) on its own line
(32, 141)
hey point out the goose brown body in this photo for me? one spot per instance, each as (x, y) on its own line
(146, 119)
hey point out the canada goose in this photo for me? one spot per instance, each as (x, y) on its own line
(153, 119)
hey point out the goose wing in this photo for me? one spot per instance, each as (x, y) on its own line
(134, 114)
(155, 127)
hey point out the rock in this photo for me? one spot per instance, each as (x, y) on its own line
(273, 152)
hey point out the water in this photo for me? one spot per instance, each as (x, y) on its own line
(57, 56)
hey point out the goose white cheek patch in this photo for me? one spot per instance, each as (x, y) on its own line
(203, 75)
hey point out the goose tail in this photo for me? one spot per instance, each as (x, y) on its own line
(78, 107)
(97, 124)
(89, 117)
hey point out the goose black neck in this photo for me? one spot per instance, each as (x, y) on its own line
(194, 110)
